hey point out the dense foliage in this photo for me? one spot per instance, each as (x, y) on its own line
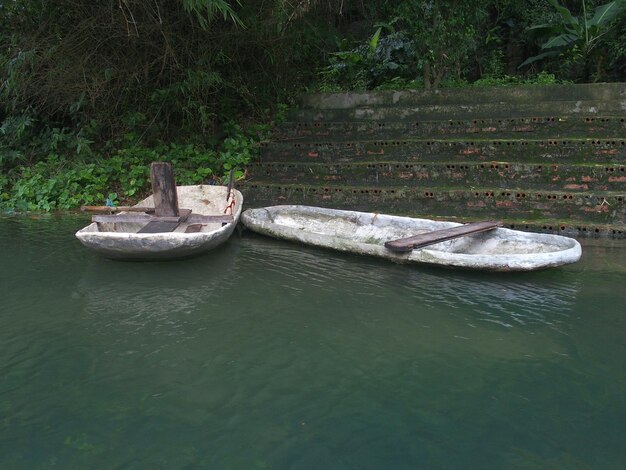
(429, 43)
(91, 92)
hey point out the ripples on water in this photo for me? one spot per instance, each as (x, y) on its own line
(268, 354)
(504, 298)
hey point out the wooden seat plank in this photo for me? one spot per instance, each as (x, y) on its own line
(114, 209)
(165, 225)
(158, 226)
(186, 216)
(436, 236)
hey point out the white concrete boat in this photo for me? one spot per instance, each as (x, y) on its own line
(208, 225)
(499, 249)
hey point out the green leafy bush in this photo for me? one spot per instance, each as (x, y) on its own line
(56, 183)
(542, 78)
(579, 40)
(425, 43)
(365, 67)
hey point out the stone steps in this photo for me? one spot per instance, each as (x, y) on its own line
(549, 159)
(516, 176)
(601, 151)
(547, 128)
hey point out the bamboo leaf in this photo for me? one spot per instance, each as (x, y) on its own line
(543, 55)
(546, 26)
(560, 41)
(545, 29)
(607, 12)
(374, 40)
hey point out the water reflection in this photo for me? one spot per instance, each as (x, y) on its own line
(406, 310)
(128, 301)
(508, 299)
(521, 300)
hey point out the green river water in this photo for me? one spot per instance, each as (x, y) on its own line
(268, 355)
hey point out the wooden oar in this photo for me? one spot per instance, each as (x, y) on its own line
(403, 245)
(165, 223)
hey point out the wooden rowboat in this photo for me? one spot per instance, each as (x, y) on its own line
(175, 222)
(206, 220)
(482, 246)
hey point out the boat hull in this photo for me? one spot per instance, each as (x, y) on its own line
(120, 240)
(365, 233)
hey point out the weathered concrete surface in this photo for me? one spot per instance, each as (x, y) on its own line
(366, 233)
(463, 111)
(121, 240)
(508, 94)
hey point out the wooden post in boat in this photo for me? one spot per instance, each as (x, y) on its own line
(164, 190)
(165, 199)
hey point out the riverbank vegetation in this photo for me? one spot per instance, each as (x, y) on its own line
(91, 92)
